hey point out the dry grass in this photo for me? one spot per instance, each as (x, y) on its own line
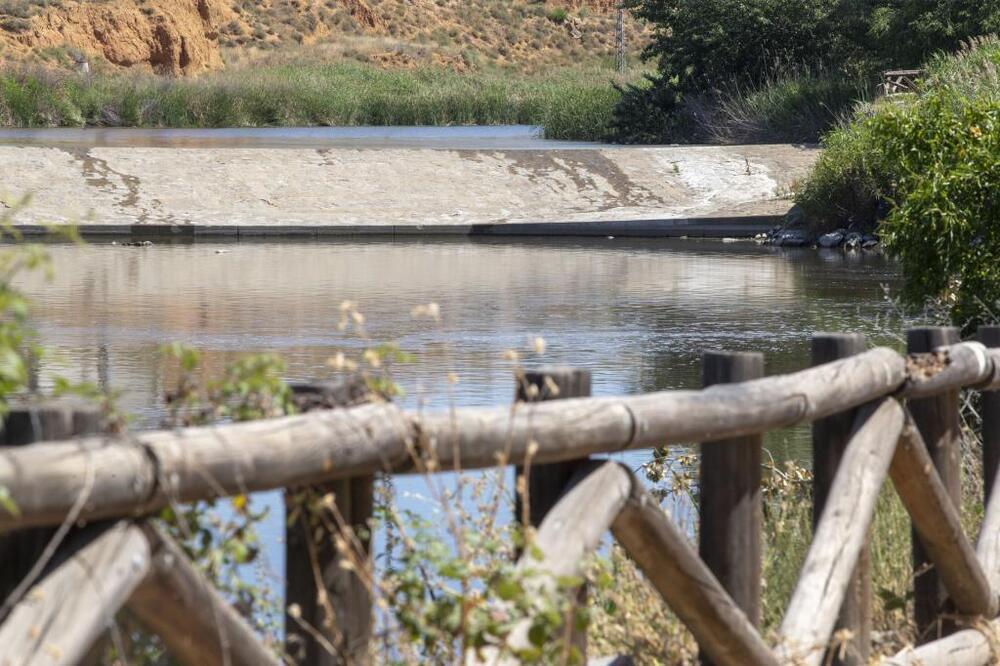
(461, 34)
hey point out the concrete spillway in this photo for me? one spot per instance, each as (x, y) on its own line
(458, 187)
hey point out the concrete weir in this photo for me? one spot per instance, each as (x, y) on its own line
(341, 188)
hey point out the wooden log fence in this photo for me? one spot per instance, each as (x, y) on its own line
(830, 437)
(877, 417)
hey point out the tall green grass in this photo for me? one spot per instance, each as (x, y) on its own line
(570, 103)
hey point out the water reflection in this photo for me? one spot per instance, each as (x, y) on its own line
(637, 314)
(494, 137)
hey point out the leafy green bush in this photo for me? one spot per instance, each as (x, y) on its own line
(944, 230)
(929, 164)
(702, 48)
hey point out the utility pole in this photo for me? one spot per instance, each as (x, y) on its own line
(620, 63)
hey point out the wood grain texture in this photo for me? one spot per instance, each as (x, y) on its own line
(547, 481)
(932, 372)
(938, 524)
(76, 599)
(571, 531)
(28, 421)
(671, 564)
(178, 604)
(988, 545)
(840, 535)
(830, 437)
(313, 570)
(731, 514)
(969, 647)
(937, 419)
(152, 469)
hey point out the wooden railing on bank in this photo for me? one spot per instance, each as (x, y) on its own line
(78, 549)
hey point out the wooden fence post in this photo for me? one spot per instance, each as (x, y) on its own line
(829, 439)
(990, 336)
(937, 419)
(729, 499)
(546, 483)
(35, 421)
(332, 601)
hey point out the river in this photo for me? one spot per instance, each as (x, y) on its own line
(637, 314)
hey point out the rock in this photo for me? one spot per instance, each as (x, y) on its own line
(833, 239)
(869, 242)
(853, 241)
(173, 37)
(792, 238)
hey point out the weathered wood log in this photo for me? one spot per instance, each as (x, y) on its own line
(830, 437)
(939, 525)
(673, 567)
(178, 604)
(76, 599)
(937, 418)
(988, 546)
(571, 531)
(970, 647)
(28, 421)
(935, 371)
(993, 383)
(152, 469)
(332, 619)
(546, 483)
(841, 534)
(731, 514)
(990, 337)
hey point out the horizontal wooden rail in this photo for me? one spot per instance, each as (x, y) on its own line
(956, 366)
(840, 535)
(151, 470)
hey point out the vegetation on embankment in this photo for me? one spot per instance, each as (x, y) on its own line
(925, 168)
(783, 70)
(572, 103)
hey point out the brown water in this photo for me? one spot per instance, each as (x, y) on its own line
(637, 314)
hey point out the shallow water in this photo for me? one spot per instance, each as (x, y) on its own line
(637, 314)
(477, 137)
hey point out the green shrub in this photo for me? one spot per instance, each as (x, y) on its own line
(945, 229)
(557, 15)
(701, 48)
(571, 103)
(789, 105)
(929, 164)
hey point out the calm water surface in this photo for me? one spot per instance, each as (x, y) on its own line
(637, 314)
(473, 137)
